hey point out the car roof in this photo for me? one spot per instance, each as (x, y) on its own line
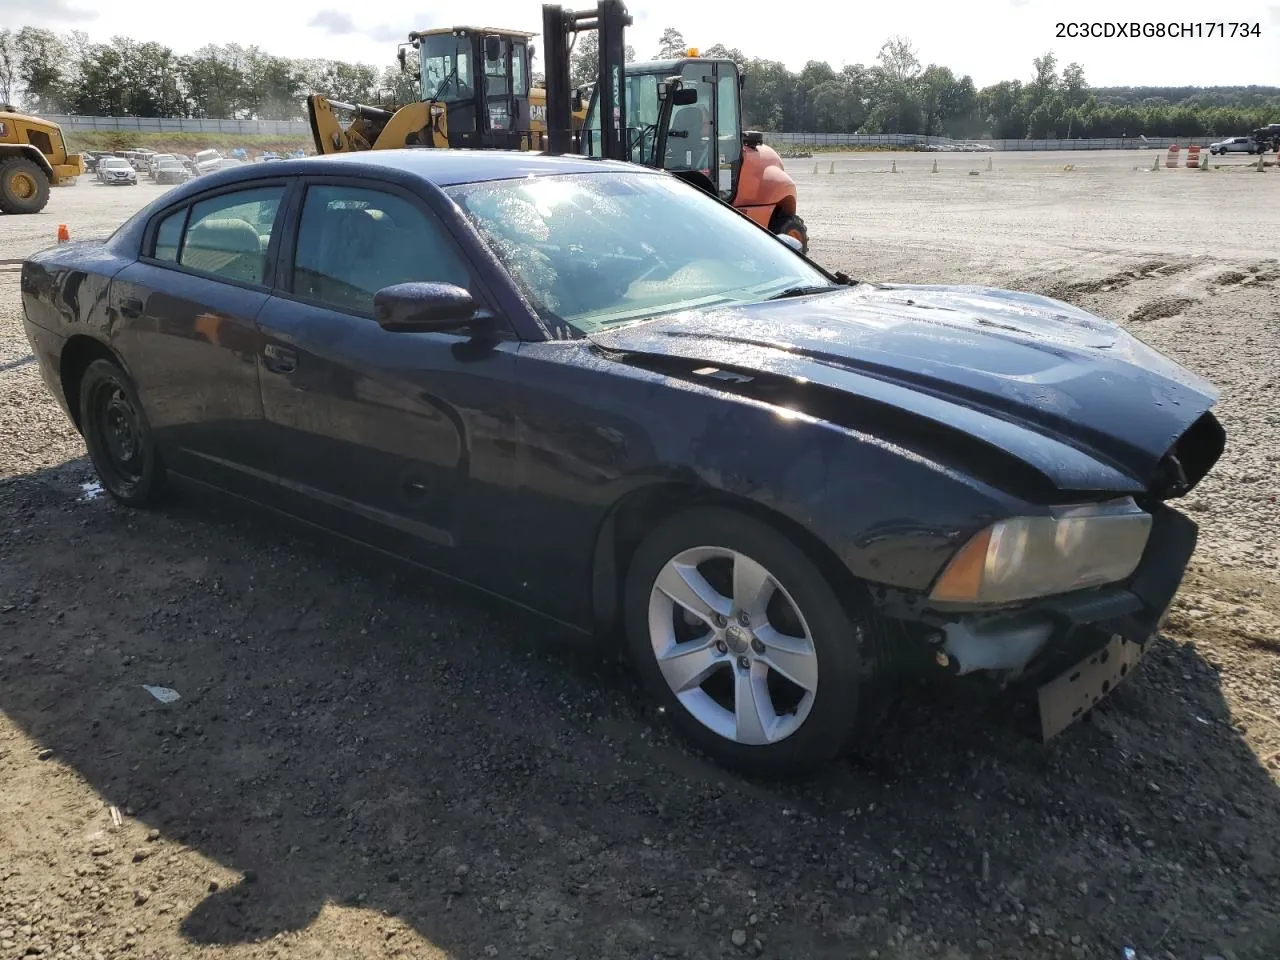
(444, 168)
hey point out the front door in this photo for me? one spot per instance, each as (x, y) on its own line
(393, 438)
(187, 310)
(706, 137)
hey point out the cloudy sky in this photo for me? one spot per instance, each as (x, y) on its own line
(990, 40)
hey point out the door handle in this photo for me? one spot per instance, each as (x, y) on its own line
(279, 359)
(131, 307)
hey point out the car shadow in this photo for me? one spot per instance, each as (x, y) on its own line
(352, 731)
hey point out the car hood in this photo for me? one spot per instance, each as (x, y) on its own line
(974, 358)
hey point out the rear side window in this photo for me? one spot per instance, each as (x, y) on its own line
(169, 234)
(229, 234)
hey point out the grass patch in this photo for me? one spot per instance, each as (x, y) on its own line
(183, 142)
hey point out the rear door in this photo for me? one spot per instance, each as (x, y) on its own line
(187, 314)
(396, 439)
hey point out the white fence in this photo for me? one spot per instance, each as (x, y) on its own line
(292, 128)
(295, 128)
(910, 140)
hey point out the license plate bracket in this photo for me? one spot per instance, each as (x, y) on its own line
(1074, 692)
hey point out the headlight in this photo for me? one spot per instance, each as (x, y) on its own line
(1027, 557)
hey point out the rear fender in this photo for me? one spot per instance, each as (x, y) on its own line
(764, 182)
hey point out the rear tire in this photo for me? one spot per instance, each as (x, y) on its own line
(793, 226)
(24, 188)
(775, 694)
(118, 436)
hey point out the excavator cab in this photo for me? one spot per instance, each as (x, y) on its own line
(482, 76)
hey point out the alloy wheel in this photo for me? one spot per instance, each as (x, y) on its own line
(732, 645)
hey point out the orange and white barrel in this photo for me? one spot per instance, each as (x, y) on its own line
(1171, 161)
(1193, 156)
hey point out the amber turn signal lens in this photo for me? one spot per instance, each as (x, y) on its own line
(962, 580)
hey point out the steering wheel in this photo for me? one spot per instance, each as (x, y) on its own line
(645, 131)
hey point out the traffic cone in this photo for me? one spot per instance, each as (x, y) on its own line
(894, 168)
(833, 167)
(990, 161)
(935, 166)
(815, 168)
(63, 233)
(1155, 163)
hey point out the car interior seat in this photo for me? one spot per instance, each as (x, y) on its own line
(229, 247)
(689, 152)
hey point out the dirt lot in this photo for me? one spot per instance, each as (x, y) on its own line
(366, 763)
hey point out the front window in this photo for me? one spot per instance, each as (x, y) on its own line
(594, 251)
(352, 242)
(519, 75)
(446, 67)
(642, 119)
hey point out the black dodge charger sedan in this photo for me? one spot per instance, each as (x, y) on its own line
(604, 395)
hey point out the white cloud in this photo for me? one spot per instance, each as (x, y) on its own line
(19, 12)
(333, 21)
(388, 34)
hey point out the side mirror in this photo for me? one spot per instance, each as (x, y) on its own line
(400, 55)
(791, 242)
(423, 307)
(684, 97)
(492, 48)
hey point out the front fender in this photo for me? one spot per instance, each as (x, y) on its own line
(595, 429)
(31, 153)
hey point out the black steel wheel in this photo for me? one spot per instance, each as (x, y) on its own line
(118, 436)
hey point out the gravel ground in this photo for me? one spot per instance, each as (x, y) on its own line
(367, 763)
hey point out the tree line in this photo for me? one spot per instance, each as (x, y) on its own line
(70, 73)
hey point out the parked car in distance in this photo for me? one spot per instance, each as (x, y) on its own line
(171, 170)
(117, 170)
(600, 393)
(206, 161)
(139, 158)
(1233, 145)
(154, 161)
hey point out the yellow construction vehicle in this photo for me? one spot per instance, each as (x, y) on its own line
(475, 88)
(683, 115)
(475, 92)
(33, 158)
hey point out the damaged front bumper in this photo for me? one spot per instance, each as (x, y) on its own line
(1075, 648)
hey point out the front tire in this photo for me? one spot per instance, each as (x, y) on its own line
(24, 188)
(118, 436)
(793, 226)
(738, 635)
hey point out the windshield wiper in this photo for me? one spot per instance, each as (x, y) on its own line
(804, 290)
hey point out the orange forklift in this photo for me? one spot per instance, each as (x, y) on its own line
(682, 115)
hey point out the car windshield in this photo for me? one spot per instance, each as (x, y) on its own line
(603, 249)
(115, 164)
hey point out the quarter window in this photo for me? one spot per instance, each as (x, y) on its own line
(169, 235)
(228, 235)
(352, 242)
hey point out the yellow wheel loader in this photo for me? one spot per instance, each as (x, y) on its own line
(33, 158)
(476, 91)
